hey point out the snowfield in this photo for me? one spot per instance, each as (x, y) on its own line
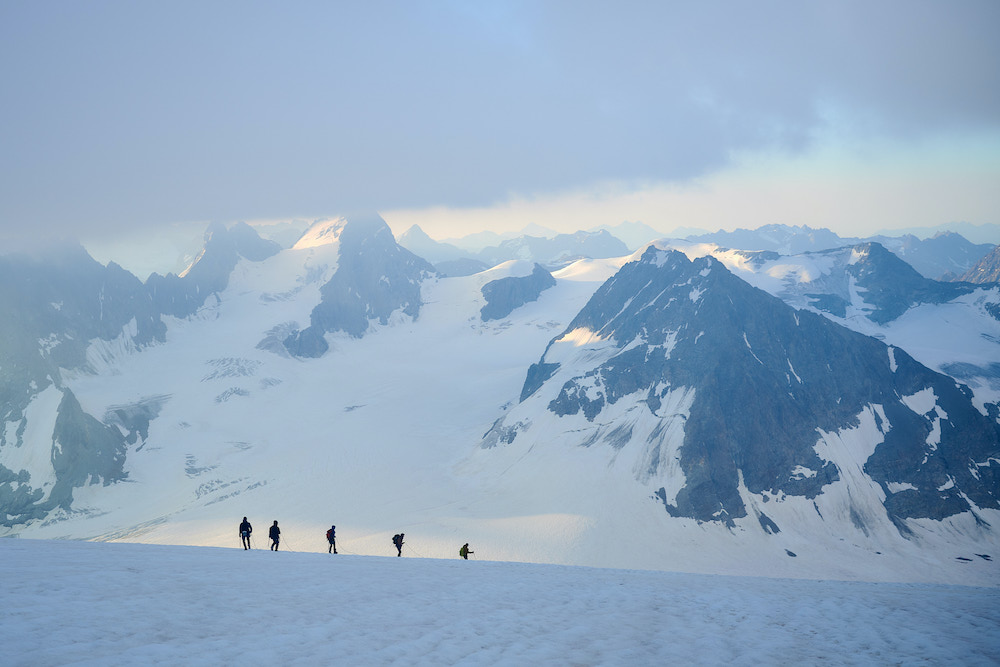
(98, 604)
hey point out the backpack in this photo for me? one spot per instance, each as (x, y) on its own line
(329, 535)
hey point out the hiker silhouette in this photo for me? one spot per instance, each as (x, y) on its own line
(245, 530)
(275, 535)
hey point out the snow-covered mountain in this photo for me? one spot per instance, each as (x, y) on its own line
(944, 254)
(646, 412)
(554, 252)
(419, 243)
(634, 234)
(373, 280)
(988, 233)
(783, 239)
(66, 315)
(557, 251)
(940, 257)
(653, 368)
(953, 328)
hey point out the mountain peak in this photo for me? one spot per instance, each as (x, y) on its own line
(732, 399)
(414, 234)
(375, 278)
(322, 232)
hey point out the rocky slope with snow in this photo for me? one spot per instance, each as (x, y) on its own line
(986, 270)
(657, 363)
(953, 328)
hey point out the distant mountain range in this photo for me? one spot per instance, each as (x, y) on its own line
(944, 256)
(560, 250)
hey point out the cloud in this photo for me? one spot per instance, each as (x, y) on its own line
(117, 115)
(855, 189)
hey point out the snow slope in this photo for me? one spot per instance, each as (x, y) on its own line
(98, 604)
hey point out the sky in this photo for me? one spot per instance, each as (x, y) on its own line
(121, 118)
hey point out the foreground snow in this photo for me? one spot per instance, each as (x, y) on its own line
(88, 603)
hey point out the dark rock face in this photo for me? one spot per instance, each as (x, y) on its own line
(765, 378)
(135, 418)
(249, 244)
(182, 296)
(86, 451)
(63, 299)
(375, 277)
(307, 343)
(503, 296)
(987, 270)
(893, 286)
(53, 306)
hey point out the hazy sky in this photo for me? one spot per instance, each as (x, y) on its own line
(118, 116)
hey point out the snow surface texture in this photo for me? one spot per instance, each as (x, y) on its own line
(97, 604)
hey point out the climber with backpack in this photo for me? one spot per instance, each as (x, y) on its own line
(397, 541)
(245, 530)
(464, 551)
(331, 537)
(275, 535)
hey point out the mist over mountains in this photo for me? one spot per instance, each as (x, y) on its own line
(769, 401)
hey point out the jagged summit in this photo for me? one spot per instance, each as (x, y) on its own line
(325, 232)
(375, 278)
(420, 244)
(414, 234)
(321, 233)
(183, 295)
(891, 286)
